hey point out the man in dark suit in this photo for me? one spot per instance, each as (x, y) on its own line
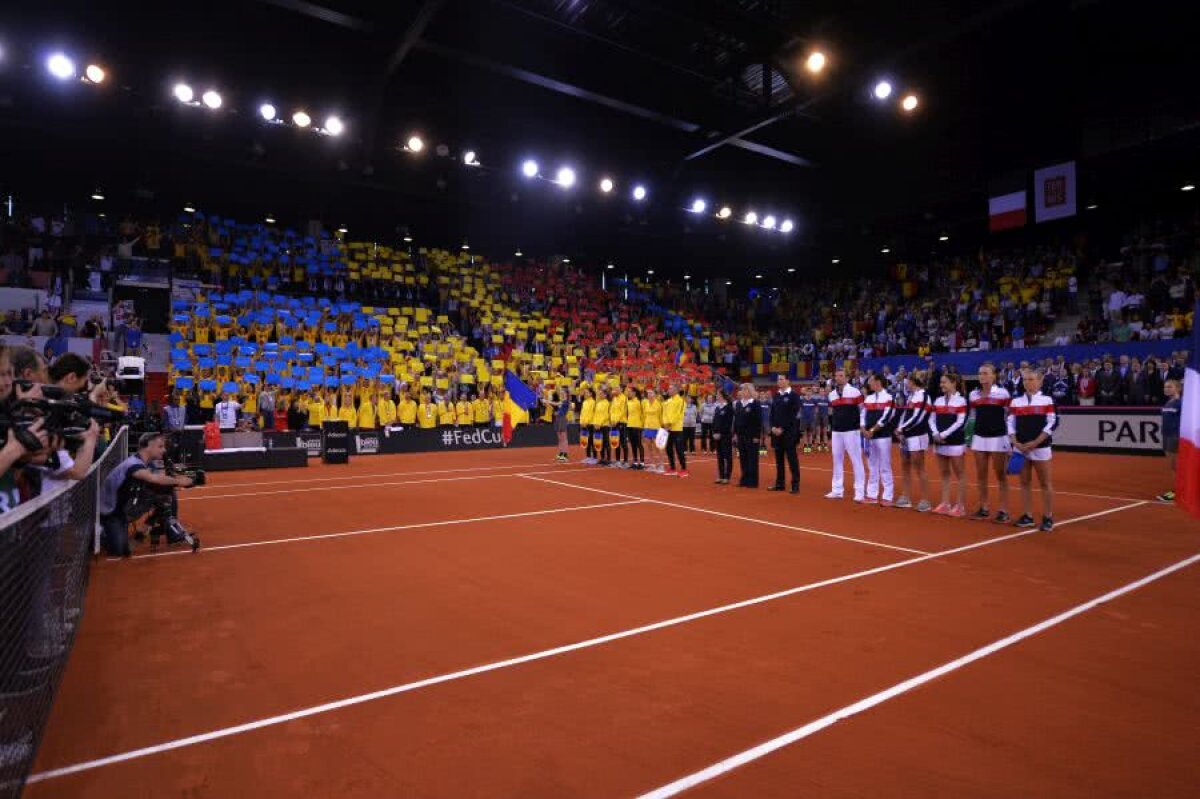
(747, 426)
(722, 433)
(785, 426)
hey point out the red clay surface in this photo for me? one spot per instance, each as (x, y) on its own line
(170, 647)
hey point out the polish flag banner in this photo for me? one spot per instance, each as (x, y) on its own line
(1187, 467)
(1006, 211)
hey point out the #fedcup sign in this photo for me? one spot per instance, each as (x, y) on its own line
(478, 437)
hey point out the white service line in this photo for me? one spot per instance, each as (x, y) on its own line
(415, 526)
(813, 727)
(350, 701)
(186, 496)
(767, 522)
(367, 476)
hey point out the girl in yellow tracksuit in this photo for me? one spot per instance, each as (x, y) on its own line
(601, 421)
(633, 428)
(652, 412)
(587, 412)
(672, 417)
(619, 414)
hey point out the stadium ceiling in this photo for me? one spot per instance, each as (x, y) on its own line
(697, 98)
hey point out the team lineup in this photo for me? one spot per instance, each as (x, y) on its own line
(1011, 435)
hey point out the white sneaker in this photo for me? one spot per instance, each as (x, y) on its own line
(833, 495)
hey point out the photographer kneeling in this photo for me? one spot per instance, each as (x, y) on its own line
(133, 485)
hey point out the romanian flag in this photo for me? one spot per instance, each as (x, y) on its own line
(1187, 468)
(518, 399)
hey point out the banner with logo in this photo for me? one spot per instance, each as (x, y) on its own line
(1121, 431)
(450, 439)
(306, 440)
(1054, 192)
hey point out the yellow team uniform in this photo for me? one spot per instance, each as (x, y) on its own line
(462, 413)
(366, 415)
(427, 416)
(634, 412)
(483, 410)
(316, 413)
(600, 416)
(348, 415)
(619, 409)
(672, 414)
(386, 409)
(446, 414)
(652, 410)
(587, 412)
(407, 411)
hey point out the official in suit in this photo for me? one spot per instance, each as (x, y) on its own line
(785, 429)
(747, 426)
(722, 435)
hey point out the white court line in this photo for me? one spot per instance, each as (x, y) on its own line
(189, 498)
(415, 526)
(283, 718)
(368, 476)
(813, 727)
(809, 530)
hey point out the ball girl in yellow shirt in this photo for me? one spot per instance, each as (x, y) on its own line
(652, 412)
(601, 420)
(587, 412)
(634, 423)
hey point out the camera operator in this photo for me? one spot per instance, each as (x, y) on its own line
(73, 374)
(123, 481)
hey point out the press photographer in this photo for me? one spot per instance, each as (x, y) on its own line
(134, 489)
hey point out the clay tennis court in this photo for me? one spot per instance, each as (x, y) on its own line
(491, 624)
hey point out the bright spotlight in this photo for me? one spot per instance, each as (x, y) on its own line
(270, 220)
(407, 238)
(97, 195)
(787, 226)
(301, 119)
(466, 246)
(95, 73)
(883, 90)
(183, 93)
(530, 168)
(698, 206)
(189, 209)
(334, 126)
(758, 277)
(943, 237)
(414, 144)
(639, 193)
(728, 282)
(60, 66)
(649, 271)
(815, 62)
(518, 252)
(612, 266)
(886, 250)
(343, 230)
(791, 269)
(769, 222)
(267, 112)
(469, 158)
(909, 103)
(725, 212)
(687, 277)
(606, 185)
(1187, 187)
(565, 177)
(211, 99)
(751, 218)
(837, 260)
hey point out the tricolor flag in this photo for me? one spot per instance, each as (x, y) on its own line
(1006, 211)
(1187, 467)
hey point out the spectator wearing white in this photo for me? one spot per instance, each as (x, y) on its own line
(844, 402)
(1116, 304)
(227, 414)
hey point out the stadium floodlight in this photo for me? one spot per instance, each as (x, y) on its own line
(687, 277)
(270, 220)
(415, 144)
(886, 250)
(343, 229)
(639, 193)
(698, 206)
(750, 218)
(95, 73)
(565, 177)
(470, 159)
(518, 252)
(188, 208)
(60, 66)
(1093, 207)
(407, 238)
(943, 237)
(606, 185)
(466, 246)
(267, 112)
(566, 260)
(768, 222)
(791, 269)
(758, 277)
(909, 103)
(183, 93)
(728, 282)
(787, 226)
(883, 90)
(301, 120)
(612, 266)
(530, 168)
(98, 194)
(815, 62)
(725, 212)
(334, 126)
(649, 271)
(212, 99)
(1187, 187)
(837, 260)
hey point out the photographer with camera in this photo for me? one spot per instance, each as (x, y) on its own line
(74, 374)
(132, 487)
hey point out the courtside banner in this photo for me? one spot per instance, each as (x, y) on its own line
(1054, 192)
(309, 440)
(1121, 431)
(451, 439)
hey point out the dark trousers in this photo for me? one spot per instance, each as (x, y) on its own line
(114, 535)
(590, 451)
(675, 448)
(748, 463)
(689, 438)
(785, 449)
(637, 449)
(724, 457)
(706, 436)
(623, 443)
(605, 447)
(268, 420)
